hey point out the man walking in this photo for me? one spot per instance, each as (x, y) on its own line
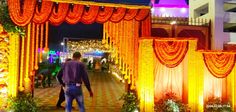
(74, 72)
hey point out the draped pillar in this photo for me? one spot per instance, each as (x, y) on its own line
(27, 81)
(195, 78)
(145, 78)
(13, 64)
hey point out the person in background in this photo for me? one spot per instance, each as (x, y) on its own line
(61, 94)
(74, 72)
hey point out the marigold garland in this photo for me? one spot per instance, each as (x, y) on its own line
(77, 13)
(21, 18)
(74, 14)
(41, 43)
(36, 47)
(104, 15)
(32, 48)
(59, 13)
(27, 55)
(118, 15)
(46, 37)
(41, 15)
(130, 14)
(170, 53)
(89, 16)
(219, 64)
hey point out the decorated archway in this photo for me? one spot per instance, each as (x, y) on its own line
(123, 25)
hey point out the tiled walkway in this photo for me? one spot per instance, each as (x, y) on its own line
(106, 88)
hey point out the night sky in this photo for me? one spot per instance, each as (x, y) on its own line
(80, 30)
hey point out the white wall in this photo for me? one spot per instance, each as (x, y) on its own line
(220, 37)
(216, 15)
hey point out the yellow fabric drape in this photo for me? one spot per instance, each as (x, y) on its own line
(13, 64)
(195, 78)
(146, 77)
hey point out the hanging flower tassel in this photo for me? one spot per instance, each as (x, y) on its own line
(46, 49)
(36, 47)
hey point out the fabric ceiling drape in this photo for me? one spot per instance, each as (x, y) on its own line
(57, 13)
(219, 64)
(170, 53)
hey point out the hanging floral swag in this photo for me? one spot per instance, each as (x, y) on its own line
(170, 103)
(6, 22)
(216, 105)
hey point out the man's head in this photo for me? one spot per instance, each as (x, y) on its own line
(76, 55)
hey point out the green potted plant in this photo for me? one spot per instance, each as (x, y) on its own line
(23, 103)
(130, 102)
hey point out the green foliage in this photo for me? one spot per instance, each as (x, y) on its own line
(23, 103)
(130, 102)
(170, 103)
(5, 20)
(216, 105)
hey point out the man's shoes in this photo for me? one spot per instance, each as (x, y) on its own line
(60, 107)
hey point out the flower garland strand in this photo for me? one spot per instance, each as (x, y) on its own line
(32, 48)
(36, 47)
(41, 16)
(21, 18)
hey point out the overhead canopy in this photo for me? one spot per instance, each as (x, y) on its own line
(124, 2)
(71, 12)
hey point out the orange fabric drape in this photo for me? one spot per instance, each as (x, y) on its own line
(130, 14)
(104, 15)
(58, 14)
(74, 15)
(24, 16)
(146, 27)
(170, 53)
(142, 14)
(90, 16)
(41, 15)
(118, 15)
(219, 64)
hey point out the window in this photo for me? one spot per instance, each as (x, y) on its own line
(201, 10)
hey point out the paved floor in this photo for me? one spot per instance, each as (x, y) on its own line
(107, 91)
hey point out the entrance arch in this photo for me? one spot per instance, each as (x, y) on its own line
(123, 25)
